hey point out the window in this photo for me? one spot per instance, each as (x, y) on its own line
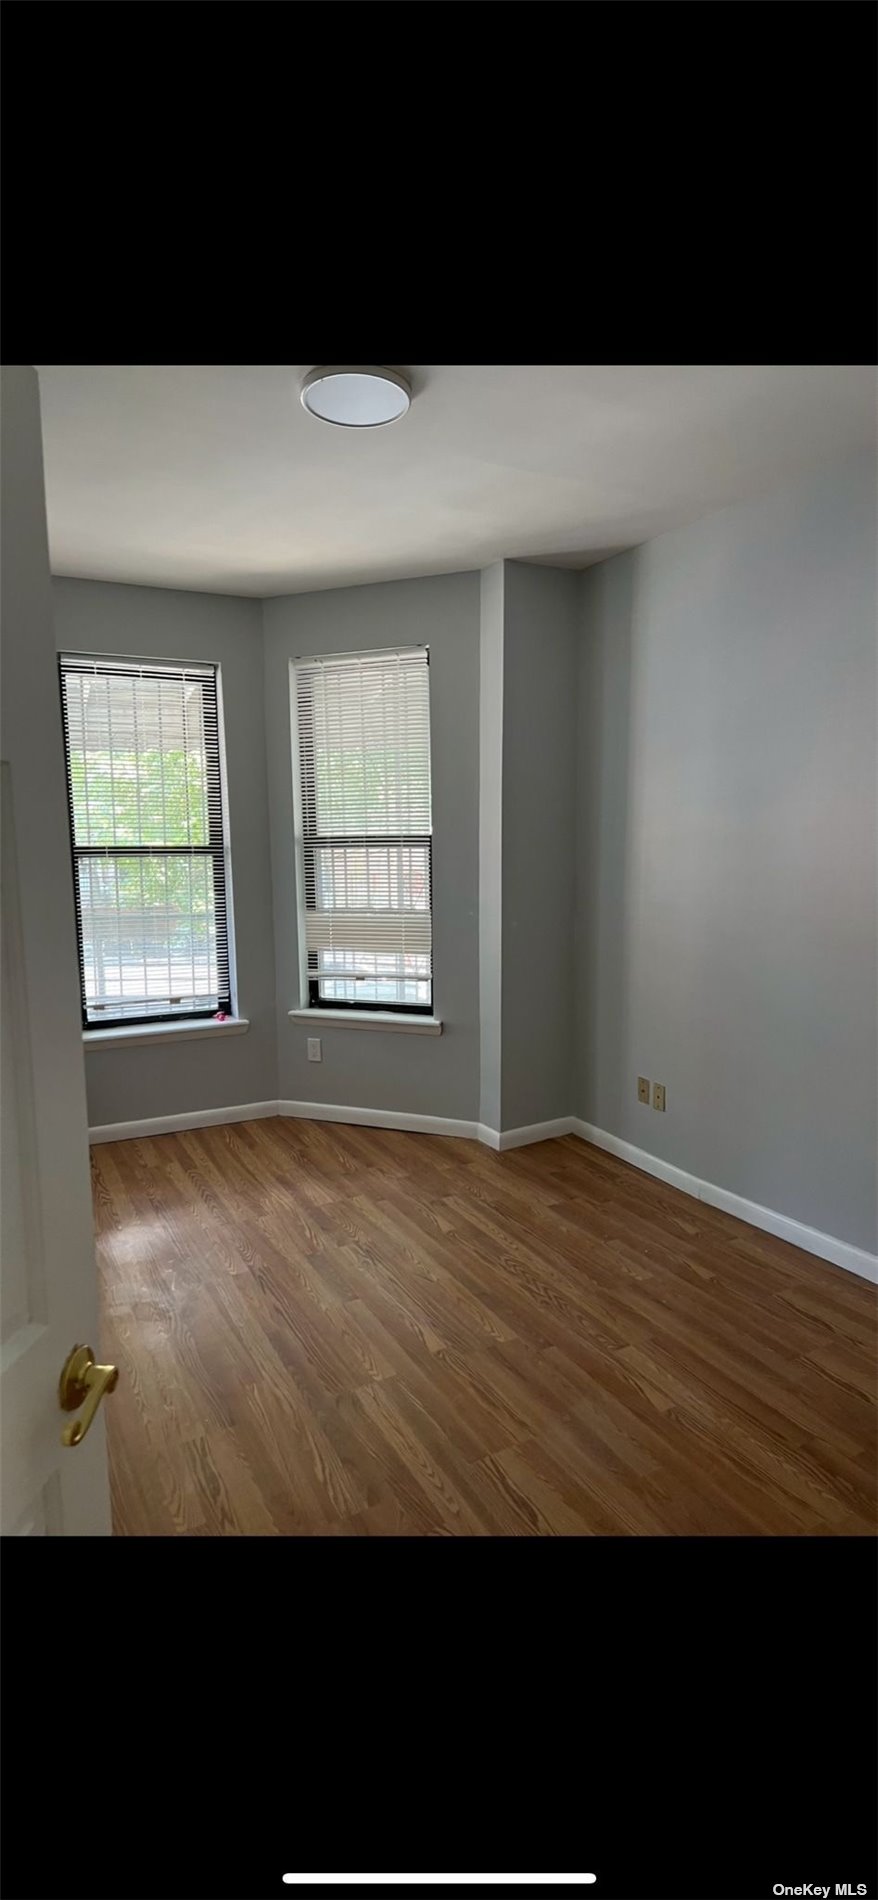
(143, 782)
(364, 830)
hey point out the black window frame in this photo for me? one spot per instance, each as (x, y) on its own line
(313, 841)
(215, 849)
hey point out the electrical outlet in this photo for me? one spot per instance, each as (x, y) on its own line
(643, 1089)
(315, 1053)
(658, 1095)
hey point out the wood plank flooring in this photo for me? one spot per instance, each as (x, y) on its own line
(338, 1331)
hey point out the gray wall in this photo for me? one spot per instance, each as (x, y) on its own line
(726, 924)
(368, 1069)
(133, 1084)
(541, 638)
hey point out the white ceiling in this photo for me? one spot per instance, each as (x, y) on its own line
(214, 477)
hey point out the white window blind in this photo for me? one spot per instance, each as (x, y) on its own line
(364, 775)
(145, 796)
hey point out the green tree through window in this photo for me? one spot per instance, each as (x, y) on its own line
(142, 747)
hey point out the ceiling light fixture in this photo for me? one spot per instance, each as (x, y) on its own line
(355, 398)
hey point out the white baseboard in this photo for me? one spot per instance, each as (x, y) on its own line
(378, 1118)
(489, 1137)
(430, 1124)
(523, 1137)
(303, 1111)
(839, 1252)
(169, 1124)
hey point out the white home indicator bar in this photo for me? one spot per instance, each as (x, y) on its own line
(440, 1880)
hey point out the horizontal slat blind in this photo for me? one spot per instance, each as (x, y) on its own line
(364, 762)
(145, 795)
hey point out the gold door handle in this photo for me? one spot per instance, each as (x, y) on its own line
(83, 1383)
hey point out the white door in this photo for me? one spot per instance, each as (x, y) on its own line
(48, 1281)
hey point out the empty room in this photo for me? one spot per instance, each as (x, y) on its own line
(440, 990)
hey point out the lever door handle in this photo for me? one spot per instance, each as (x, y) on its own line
(83, 1383)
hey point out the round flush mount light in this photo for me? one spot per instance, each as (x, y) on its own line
(356, 398)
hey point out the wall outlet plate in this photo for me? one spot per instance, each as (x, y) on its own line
(315, 1053)
(658, 1095)
(643, 1089)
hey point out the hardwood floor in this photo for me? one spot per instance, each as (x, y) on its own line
(349, 1331)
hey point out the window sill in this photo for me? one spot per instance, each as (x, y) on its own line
(369, 1019)
(130, 1036)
